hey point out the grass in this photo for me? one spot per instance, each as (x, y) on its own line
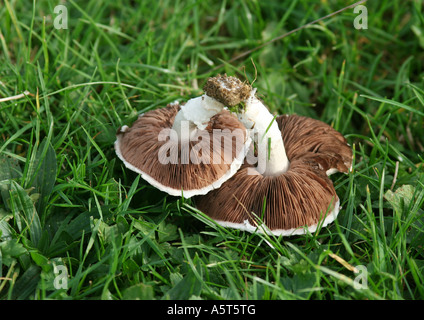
(76, 224)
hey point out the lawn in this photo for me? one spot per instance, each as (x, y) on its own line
(76, 224)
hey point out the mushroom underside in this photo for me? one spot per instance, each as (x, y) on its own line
(301, 198)
(178, 168)
(304, 136)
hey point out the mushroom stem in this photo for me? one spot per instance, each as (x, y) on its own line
(195, 114)
(272, 159)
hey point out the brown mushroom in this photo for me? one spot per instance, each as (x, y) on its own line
(292, 192)
(187, 149)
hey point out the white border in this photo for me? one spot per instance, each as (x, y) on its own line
(246, 226)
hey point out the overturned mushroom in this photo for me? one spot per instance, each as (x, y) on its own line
(288, 188)
(187, 149)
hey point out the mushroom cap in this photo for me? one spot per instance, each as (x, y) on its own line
(305, 136)
(301, 198)
(141, 150)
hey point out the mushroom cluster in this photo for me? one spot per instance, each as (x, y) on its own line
(247, 169)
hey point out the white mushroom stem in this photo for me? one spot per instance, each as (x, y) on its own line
(272, 158)
(195, 114)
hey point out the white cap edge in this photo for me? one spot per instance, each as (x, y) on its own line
(246, 226)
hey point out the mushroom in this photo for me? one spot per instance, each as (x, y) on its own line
(287, 191)
(188, 149)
